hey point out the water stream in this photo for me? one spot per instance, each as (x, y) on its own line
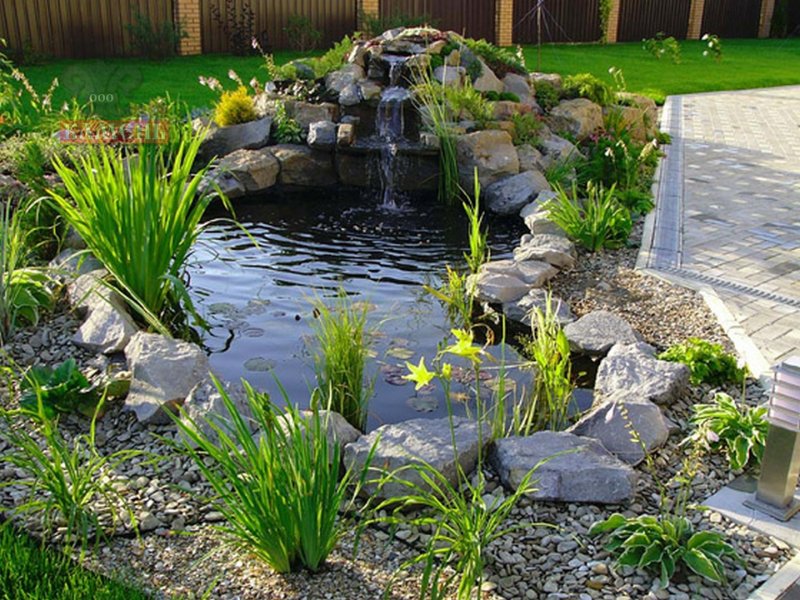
(390, 127)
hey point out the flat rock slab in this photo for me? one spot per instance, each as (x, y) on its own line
(536, 219)
(304, 167)
(221, 141)
(412, 442)
(578, 470)
(609, 421)
(596, 332)
(507, 196)
(255, 170)
(633, 368)
(506, 281)
(521, 310)
(165, 371)
(554, 249)
(108, 328)
(204, 406)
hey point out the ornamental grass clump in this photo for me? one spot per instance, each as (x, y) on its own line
(140, 215)
(279, 489)
(342, 338)
(597, 222)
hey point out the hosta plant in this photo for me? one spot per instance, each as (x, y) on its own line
(708, 362)
(62, 389)
(737, 429)
(663, 544)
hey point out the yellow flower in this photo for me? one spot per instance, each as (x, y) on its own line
(464, 346)
(419, 374)
(447, 371)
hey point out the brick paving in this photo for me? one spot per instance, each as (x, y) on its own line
(728, 213)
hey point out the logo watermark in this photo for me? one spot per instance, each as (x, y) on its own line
(100, 131)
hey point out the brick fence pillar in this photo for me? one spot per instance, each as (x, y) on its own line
(187, 15)
(504, 22)
(695, 19)
(368, 8)
(612, 32)
(765, 22)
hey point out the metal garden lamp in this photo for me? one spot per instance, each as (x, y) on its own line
(780, 465)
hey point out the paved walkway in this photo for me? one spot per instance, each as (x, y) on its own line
(728, 213)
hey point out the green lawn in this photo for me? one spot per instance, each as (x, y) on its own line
(29, 573)
(745, 64)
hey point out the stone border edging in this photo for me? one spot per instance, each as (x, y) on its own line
(780, 582)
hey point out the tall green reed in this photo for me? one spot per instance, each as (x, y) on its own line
(342, 335)
(140, 215)
(279, 490)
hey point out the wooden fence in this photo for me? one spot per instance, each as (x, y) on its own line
(640, 19)
(76, 28)
(475, 18)
(732, 18)
(561, 21)
(333, 18)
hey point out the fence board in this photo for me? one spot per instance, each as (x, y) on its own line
(333, 18)
(639, 19)
(562, 21)
(475, 18)
(731, 18)
(76, 28)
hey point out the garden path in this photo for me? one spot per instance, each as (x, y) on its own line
(728, 214)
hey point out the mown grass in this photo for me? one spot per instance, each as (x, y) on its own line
(28, 572)
(745, 64)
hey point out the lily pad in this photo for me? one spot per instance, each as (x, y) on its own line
(394, 375)
(222, 308)
(423, 403)
(259, 364)
(253, 332)
(400, 353)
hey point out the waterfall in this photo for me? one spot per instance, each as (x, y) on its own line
(390, 127)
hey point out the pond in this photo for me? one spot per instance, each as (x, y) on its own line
(257, 299)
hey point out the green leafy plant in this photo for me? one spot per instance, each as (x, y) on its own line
(279, 491)
(455, 295)
(374, 24)
(286, 129)
(597, 222)
(661, 46)
(478, 245)
(65, 477)
(22, 107)
(549, 404)
(527, 129)
(342, 348)
(604, 13)
(63, 389)
(547, 96)
(586, 85)
(140, 216)
(333, 59)
(463, 522)
(155, 41)
(302, 34)
(708, 362)
(665, 542)
(714, 44)
(466, 102)
(234, 108)
(25, 291)
(738, 429)
(493, 96)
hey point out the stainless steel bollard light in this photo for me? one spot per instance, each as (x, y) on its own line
(780, 465)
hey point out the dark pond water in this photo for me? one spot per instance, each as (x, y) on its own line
(258, 299)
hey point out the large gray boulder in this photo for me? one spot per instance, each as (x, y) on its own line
(411, 442)
(491, 151)
(165, 371)
(579, 117)
(519, 86)
(556, 151)
(336, 428)
(521, 311)
(306, 113)
(505, 281)
(88, 291)
(576, 469)
(596, 332)
(536, 219)
(610, 421)
(488, 81)
(255, 170)
(639, 115)
(107, 329)
(322, 135)
(633, 368)
(530, 159)
(221, 141)
(204, 406)
(554, 249)
(507, 196)
(349, 74)
(224, 182)
(302, 166)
